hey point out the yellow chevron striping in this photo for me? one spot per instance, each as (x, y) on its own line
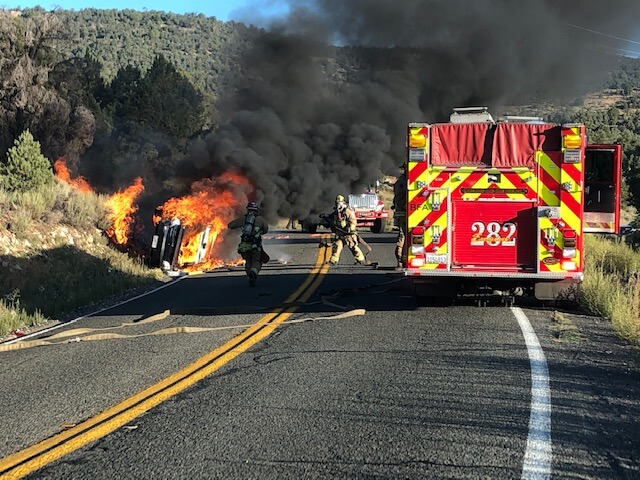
(553, 171)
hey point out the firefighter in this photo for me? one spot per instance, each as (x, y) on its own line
(343, 224)
(250, 247)
(399, 208)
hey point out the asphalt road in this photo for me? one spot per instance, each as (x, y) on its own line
(346, 377)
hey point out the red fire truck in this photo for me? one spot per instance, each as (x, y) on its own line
(502, 207)
(369, 209)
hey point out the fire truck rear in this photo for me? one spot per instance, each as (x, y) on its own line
(502, 207)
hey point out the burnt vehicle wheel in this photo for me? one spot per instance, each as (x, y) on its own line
(378, 225)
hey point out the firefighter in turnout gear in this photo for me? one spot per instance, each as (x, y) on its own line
(343, 224)
(399, 208)
(250, 248)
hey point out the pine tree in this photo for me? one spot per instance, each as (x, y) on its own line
(25, 168)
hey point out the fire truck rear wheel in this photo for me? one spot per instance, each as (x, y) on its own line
(378, 225)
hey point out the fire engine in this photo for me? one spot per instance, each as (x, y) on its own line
(369, 210)
(502, 206)
(368, 207)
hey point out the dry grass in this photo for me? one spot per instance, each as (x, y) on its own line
(612, 285)
(563, 329)
(13, 317)
(603, 99)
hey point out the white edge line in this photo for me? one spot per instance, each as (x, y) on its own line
(538, 454)
(64, 324)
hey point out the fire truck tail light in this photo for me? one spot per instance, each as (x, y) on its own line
(417, 236)
(417, 262)
(569, 265)
(417, 249)
(569, 238)
(572, 142)
(569, 242)
(570, 139)
(417, 139)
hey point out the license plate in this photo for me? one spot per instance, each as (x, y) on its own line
(417, 154)
(572, 156)
(437, 258)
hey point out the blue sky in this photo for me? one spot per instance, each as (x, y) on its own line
(224, 10)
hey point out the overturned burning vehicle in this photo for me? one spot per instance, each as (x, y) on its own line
(171, 248)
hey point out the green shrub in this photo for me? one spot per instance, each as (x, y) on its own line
(78, 212)
(21, 221)
(81, 209)
(39, 201)
(25, 168)
(5, 199)
(12, 316)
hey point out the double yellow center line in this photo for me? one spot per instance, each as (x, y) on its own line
(35, 457)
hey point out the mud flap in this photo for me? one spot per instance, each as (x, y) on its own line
(567, 290)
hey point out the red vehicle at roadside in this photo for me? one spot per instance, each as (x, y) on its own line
(369, 209)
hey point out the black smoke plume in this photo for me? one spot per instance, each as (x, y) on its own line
(326, 92)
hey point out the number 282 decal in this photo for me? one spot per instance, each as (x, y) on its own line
(493, 234)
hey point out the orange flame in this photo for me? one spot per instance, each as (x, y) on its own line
(62, 172)
(122, 209)
(205, 213)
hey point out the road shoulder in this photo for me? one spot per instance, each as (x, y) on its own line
(595, 387)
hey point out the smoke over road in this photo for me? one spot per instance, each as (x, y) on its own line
(310, 119)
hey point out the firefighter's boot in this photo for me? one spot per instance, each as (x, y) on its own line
(253, 276)
(360, 258)
(335, 255)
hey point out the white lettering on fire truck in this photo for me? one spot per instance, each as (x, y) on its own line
(492, 234)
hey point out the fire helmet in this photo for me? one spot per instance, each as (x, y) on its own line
(339, 199)
(252, 207)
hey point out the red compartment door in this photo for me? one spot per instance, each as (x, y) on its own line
(500, 236)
